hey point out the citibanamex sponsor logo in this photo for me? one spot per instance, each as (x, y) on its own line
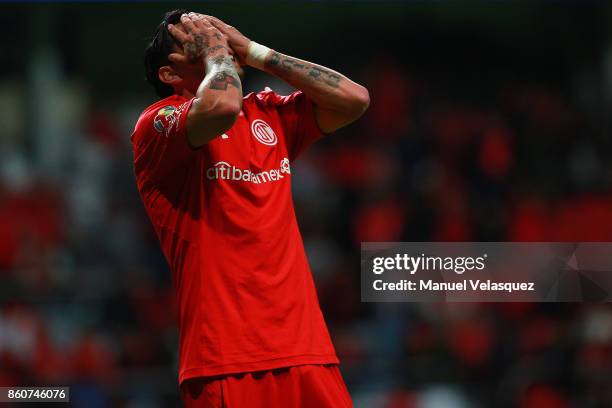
(226, 171)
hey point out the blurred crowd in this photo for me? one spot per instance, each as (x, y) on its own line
(430, 164)
(86, 297)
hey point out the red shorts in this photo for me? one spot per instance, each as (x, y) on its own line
(305, 386)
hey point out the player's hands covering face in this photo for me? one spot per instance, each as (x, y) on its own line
(236, 40)
(199, 39)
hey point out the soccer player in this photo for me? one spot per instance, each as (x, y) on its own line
(213, 168)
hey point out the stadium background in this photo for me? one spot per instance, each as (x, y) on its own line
(489, 121)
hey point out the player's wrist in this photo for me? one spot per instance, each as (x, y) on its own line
(256, 55)
(217, 57)
(219, 62)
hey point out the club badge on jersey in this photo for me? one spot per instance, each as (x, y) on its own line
(167, 118)
(263, 132)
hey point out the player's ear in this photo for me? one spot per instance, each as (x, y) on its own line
(168, 75)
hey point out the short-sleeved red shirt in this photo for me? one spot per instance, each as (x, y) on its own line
(224, 217)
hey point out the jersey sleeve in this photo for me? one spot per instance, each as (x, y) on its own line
(161, 148)
(297, 117)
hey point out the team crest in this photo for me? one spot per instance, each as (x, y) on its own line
(165, 119)
(263, 132)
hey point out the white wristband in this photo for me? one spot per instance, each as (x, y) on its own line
(256, 55)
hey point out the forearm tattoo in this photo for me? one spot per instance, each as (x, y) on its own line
(277, 62)
(223, 74)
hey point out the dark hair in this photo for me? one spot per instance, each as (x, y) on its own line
(157, 51)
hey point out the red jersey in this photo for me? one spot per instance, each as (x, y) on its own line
(224, 216)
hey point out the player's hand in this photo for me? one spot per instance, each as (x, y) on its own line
(236, 40)
(199, 38)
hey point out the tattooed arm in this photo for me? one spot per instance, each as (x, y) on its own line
(218, 98)
(338, 100)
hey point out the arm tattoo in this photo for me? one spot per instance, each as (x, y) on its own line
(274, 59)
(320, 74)
(224, 74)
(276, 63)
(223, 79)
(223, 60)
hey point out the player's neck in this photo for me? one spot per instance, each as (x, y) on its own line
(185, 93)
